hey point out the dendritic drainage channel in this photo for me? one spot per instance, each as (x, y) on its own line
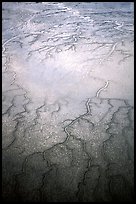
(67, 102)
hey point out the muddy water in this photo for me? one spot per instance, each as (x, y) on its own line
(67, 88)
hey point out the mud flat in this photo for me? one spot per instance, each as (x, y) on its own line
(67, 102)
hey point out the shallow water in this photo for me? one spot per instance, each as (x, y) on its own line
(67, 87)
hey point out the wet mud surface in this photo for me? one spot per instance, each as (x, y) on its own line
(67, 102)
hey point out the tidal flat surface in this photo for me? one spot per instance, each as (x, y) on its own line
(67, 101)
